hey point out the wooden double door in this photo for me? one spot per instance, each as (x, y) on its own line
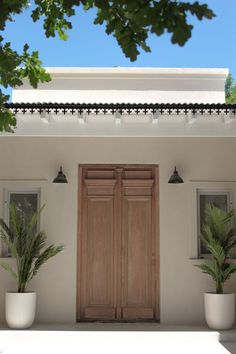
(118, 248)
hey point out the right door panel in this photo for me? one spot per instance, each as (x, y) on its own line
(137, 250)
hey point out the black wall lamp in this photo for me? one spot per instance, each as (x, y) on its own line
(175, 178)
(60, 178)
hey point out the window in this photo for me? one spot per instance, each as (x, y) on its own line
(221, 199)
(27, 202)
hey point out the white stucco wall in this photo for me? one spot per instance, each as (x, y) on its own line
(28, 162)
(128, 85)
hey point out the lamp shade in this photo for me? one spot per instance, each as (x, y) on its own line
(175, 178)
(60, 178)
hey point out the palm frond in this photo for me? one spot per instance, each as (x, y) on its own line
(38, 243)
(230, 268)
(206, 234)
(48, 253)
(217, 251)
(209, 268)
(15, 219)
(4, 235)
(33, 222)
(229, 245)
(6, 229)
(25, 246)
(7, 267)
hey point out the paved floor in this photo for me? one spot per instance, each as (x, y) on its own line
(230, 346)
(116, 338)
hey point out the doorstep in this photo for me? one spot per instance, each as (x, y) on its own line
(116, 338)
(188, 339)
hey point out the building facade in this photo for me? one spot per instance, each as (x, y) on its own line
(131, 238)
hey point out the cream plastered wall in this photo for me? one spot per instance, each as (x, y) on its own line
(202, 162)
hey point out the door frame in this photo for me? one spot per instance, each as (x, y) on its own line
(156, 231)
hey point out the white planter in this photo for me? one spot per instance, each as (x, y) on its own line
(20, 309)
(219, 310)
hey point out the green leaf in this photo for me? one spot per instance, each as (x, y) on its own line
(230, 268)
(7, 118)
(26, 47)
(48, 253)
(88, 5)
(145, 47)
(8, 268)
(210, 269)
(35, 14)
(216, 250)
(62, 35)
(231, 95)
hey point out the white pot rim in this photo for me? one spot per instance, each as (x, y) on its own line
(214, 293)
(16, 292)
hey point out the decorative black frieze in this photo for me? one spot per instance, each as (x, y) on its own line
(122, 108)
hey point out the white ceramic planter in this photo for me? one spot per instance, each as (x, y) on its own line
(219, 310)
(20, 309)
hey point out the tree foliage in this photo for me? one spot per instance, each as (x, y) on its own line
(129, 21)
(230, 90)
(219, 239)
(28, 249)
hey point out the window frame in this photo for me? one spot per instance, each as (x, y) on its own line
(206, 191)
(6, 211)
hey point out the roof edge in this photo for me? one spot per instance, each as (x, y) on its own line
(132, 71)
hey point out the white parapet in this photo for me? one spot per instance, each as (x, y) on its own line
(128, 85)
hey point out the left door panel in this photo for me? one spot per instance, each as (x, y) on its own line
(98, 244)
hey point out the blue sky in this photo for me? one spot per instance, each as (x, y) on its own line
(212, 43)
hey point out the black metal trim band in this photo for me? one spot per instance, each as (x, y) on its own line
(122, 108)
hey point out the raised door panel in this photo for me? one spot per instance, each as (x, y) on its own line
(98, 259)
(137, 299)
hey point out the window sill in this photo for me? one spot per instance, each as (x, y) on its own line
(207, 258)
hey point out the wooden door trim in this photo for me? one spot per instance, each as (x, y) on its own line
(79, 242)
(117, 165)
(119, 244)
(156, 236)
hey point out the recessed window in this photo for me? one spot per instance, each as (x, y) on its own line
(27, 203)
(221, 199)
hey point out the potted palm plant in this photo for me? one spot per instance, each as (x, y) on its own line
(27, 247)
(219, 237)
